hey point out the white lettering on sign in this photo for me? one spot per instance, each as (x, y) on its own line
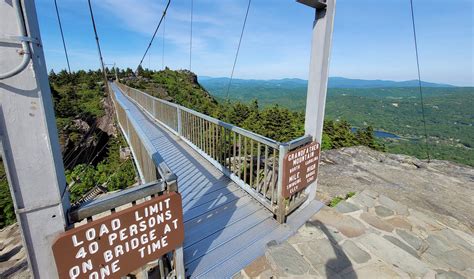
(300, 168)
(98, 249)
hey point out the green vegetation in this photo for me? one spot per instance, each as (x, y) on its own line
(275, 121)
(91, 156)
(7, 213)
(396, 110)
(79, 96)
(338, 199)
(112, 172)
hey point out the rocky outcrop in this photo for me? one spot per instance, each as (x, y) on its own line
(85, 141)
(106, 122)
(369, 236)
(441, 189)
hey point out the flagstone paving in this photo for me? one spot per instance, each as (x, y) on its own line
(369, 236)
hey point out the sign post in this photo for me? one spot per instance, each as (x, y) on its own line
(318, 73)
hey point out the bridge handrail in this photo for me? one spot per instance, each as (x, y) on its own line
(117, 199)
(149, 147)
(156, 176)
(252, 135)
(251, 160)
(249, 134)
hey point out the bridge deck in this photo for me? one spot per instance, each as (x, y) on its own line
(225, 228)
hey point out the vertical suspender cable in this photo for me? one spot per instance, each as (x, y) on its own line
(163, 49)
(191, 36)
(98, 44)
(154, 34)
(238, 49)
(62, 35)
(419, 81)
(163, 44)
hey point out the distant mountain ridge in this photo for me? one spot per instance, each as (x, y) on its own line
(334, 82)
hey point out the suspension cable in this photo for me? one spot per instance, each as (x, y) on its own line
(154, 34)
(419, 81)
(62, 35)
(191, 36)
(98, 44)
(163, 49)
(238, 49)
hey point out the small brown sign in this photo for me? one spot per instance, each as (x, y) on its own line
(122, 242)
(300, 168)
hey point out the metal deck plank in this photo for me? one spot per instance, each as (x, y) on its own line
(222, 237)
(192, 201)
(231, 199)
(225, 219)
(204, 184)
(243, 257)
(223, 253)
(220, 212)
(226, 269)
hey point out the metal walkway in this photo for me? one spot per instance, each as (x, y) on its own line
(225, 228)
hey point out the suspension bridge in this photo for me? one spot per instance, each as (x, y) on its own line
(230, 180)
(227, 221)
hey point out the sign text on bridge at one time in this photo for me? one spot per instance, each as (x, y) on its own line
(115, 245)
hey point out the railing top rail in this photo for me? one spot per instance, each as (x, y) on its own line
(249, 134)
(298, 142)
(163, 169)
(116, 199)
(153, 97)
(149, 147)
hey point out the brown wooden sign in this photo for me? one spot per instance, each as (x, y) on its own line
(122, 242)
(300, 168)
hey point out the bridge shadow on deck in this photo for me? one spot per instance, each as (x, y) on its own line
(220, 219)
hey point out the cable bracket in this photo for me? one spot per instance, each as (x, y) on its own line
(16, 39)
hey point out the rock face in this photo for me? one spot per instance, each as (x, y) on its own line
(420, 246)
(441, 189)
(408, 219)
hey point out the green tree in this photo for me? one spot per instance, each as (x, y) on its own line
(7, 213)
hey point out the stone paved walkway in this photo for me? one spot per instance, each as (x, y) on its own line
(369, 236)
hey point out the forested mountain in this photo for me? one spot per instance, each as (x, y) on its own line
(275, 121)
(219, 84)
(392, 109)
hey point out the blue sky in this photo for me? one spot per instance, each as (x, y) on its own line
(372, 38)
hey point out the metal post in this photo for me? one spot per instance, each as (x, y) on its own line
(180, 123)
(179, 263)
(281, 210)
(31, 151)
(116, 73)
(318, 72)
